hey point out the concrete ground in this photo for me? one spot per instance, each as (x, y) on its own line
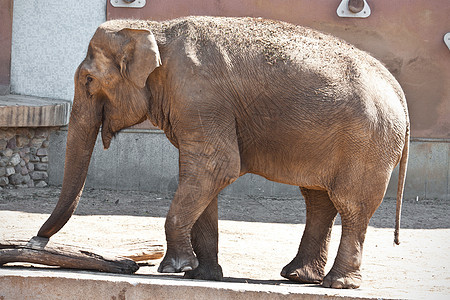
(258, 236)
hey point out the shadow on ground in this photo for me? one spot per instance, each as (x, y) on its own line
(160, 276)
(421, 214)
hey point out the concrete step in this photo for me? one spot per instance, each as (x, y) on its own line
(16, 283)
(31, 111)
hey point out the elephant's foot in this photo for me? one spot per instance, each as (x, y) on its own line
(173, 263)
(338, 281)
(205, 271)
(303, 274)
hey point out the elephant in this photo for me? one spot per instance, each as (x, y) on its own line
(245, 95)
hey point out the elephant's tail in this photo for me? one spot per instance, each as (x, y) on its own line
(401, 185)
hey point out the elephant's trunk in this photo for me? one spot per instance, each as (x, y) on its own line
(81, 139)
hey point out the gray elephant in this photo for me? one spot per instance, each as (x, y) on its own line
(245, 95)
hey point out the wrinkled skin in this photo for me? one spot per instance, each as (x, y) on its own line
(239, 96)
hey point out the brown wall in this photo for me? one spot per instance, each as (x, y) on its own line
(406, 35)
(6, 7)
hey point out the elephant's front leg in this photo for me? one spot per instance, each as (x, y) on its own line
(205, 239)
(203, 174)
(187, 205)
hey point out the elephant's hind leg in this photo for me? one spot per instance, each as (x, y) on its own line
(309, 264)
(355, 208)
(205, 238)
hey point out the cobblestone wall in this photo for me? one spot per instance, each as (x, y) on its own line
(24, 157)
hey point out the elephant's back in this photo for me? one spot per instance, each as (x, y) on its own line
(259, 63)
(265, 53)
(276, 43)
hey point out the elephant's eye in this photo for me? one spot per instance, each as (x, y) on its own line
(89, 79)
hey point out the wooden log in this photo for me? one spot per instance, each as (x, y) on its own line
(42, 251)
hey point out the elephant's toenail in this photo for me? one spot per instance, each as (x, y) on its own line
(186, 269)
(293, 274)
(168, 269)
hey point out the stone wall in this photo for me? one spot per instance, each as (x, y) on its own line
(24, 157)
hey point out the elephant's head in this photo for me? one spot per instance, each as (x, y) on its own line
(111, 91)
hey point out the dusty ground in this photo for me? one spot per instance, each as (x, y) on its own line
(258, 236)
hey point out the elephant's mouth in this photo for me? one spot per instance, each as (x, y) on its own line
(107, 136)
(109, 129)
(108, 133)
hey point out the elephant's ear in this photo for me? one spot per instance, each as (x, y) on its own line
(140, 55)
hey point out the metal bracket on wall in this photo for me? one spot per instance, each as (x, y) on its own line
(128, 3)
(353, 9)
(447, 40)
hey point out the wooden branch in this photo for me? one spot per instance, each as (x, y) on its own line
(42, 251)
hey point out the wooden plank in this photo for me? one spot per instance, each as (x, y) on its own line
(142, 251)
